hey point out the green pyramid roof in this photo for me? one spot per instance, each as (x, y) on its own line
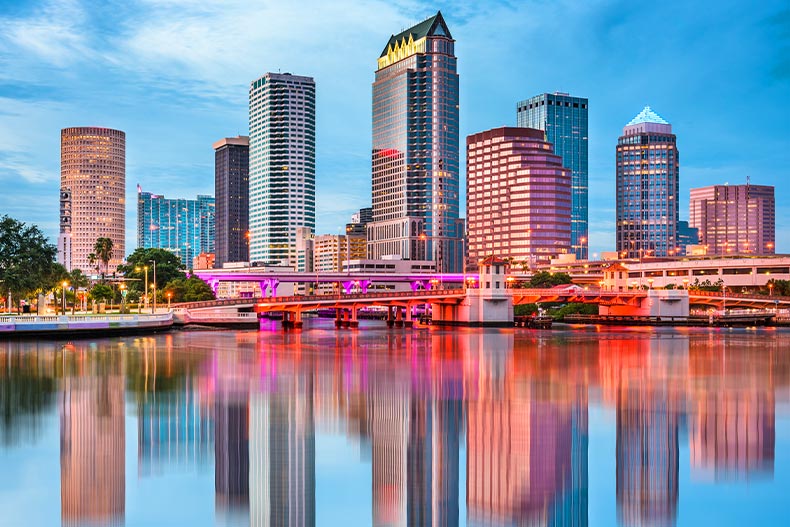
(430, 27)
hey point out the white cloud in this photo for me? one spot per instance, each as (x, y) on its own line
(54, 34)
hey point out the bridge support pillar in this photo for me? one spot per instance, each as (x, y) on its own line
(338, 318)
(390, 316)
(297, 320)
(408, 322)
(398, 317)
(354, 322)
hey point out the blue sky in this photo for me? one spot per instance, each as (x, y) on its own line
(174, 74)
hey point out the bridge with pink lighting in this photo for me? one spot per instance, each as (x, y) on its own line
(452, 305)
(269, 281)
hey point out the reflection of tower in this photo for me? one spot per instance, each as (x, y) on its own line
(282, 454)
(173, 430)
(520, 441)
(647, 457)
(231, 450)
(570, 509)
(446, 442)
(389, 422)
(732, 433)
(92, 449)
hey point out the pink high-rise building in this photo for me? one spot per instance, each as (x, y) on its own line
(734, 219)
(92, 195)
(518, 198)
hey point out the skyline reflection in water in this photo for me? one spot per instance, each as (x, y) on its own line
(443, 428)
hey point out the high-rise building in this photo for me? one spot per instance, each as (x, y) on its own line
(93, 195)
(686, 236)
(331, 252)
(359, 222)
(231, 191)
(564, 119)
(282, 165)
(648, 181)
(415, 149)
(183, 226)
(518, 197)
(734, 219)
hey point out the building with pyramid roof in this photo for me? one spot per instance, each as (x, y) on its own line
(648, 182)
(415, 156)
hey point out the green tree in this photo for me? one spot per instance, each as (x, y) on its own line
(191, 289)
(168, 268)
(545, 279)
(92, 261)
(101, 293)
(27, 259)
(780, 287)
(103, 251)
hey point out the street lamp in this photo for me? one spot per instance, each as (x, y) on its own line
(650, 282)
(169, 296)
(63, 287)
(153, 309)
(771, 289)
(146, 287)
(510, 281)
(724, 299)
(685, 283)
(122, 287)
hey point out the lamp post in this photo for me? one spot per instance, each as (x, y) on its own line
(153, 308)
(770, 289)
(63, 287)
(122, 287)
(146, 287)
(685, 283)
(169, 296)
(724, 299)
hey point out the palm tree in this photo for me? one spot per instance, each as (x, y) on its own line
(92, 260)
(103, 250)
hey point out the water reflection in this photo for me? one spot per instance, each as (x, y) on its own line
(93, 441)
(466, 427)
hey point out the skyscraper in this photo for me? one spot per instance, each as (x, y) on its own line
(648, 180)
(183, 226)
(518, 197)
(93, 194)
(232, 193)
(564, 119)
(415, 148)
(282, 165)
(734, 219)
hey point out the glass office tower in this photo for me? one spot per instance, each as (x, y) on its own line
(648, 179)
(415, 149)
(232, 192)
(183, 226)
(282, 165)
(564, 119)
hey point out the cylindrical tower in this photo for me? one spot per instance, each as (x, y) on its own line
(93, 170)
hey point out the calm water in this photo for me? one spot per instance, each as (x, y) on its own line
(398, 427)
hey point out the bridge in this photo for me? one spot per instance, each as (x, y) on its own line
(401, 305)
(269, 281)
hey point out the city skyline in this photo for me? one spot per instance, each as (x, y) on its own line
(721, 58)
